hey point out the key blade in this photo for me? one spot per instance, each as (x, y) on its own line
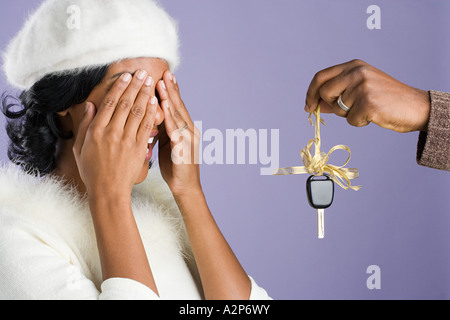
(321, 223)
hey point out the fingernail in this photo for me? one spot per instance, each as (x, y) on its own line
(174, 79)
(153, 100)
(170, 76)
(126, 77)
(163, 85)
(141, 74)
(149, 81)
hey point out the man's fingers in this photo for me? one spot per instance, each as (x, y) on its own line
(315, 91)
(324, 107)
(313, 94)
(358, 116)
(335, 88)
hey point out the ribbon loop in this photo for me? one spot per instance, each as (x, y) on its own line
(317, 165)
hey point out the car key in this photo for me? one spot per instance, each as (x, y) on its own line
(320, 192)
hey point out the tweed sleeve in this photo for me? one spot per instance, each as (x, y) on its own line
(433, 148)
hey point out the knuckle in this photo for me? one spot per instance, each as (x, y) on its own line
(109, 102)
(113, 136)
(358, 62)
(96, 136)
(318, 77)
(364, 92)
(325, 94)
(365, 89)
(94, 131)
(357, 119)
(372, 116)
(124, 104)
(353, 121)
(362, 72)
(138, 111)
(361, 123)
(177, 115)
(366, 110)
(128, 141)
(147, 126)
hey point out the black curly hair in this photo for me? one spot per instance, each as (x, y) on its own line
(31, 118)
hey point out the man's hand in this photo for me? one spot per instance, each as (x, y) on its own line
(371, 95)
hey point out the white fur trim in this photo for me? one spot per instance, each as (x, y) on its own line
(61, 218)
(109, 31)
(47, 235)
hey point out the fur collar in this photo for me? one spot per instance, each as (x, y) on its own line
(56, 215)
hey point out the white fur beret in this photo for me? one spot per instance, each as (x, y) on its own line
(63, 35)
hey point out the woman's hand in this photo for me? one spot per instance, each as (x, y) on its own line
(111, 145)
(110, 151)
(221, 274)
(178, 142)
(371, 95)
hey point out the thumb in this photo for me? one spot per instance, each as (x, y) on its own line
(88, 116)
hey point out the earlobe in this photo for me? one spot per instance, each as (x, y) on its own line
(63, 113)
(65, 122)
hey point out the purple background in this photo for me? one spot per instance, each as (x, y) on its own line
(248, 64)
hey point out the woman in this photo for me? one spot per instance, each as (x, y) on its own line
(83, 220)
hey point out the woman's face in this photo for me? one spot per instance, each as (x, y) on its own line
(154, 67)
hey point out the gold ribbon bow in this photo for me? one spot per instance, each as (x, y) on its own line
(317, 165)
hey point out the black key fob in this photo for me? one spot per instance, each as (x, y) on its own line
(320, 191)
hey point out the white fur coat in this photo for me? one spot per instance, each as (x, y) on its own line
(48, 247)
